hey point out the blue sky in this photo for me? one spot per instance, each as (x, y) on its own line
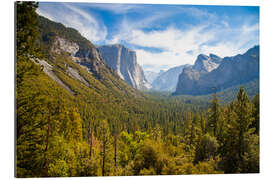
(163, 36)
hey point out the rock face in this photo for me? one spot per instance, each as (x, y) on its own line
(92, 59)
(88, 57)
(209, 72)
(61, 44)
(76, 75)
(48, 69)
(167, 80)
(124, 62)
(206, 63)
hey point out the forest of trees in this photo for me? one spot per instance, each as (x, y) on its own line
(93, 134)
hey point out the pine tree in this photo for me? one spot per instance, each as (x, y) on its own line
(256, 114)
(206, 148)
(236, 150)
(214, 114)
(26, 27)
(244, 113)
(115, 143)
(203, 124)
(105, 148)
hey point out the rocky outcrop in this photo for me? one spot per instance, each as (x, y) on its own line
(48, 69)
(206, 63)
(88, 57)
(229, 71)
(75, 74)
(167, 81)
(124, 62)
(61, 44)
(92, 59)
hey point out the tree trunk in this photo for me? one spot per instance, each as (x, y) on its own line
(90, 142)
(48, 134)
(103, 153)
(115, 150)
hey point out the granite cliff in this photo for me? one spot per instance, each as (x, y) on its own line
(124, 62)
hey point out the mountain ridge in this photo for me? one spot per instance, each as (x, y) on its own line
(231, 71)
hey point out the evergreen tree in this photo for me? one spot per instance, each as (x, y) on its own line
(106, 148)
(214, 114)
(244, 119)
(238, 137)
(26, 27)
(206, 149)
(256, 114)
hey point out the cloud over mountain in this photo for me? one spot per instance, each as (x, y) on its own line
(178, 32)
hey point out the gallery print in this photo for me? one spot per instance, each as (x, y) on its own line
(107, 89)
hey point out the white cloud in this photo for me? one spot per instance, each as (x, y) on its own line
(212, 34)
(71, 16)
(45, 14)
(222, 49)
(248, 29)
(238, 41)
(115, 8)
(174, 42)
(177, 44)
(198, 13)
(85, 15)
(225, 23)
(160, 60)
(127, 26)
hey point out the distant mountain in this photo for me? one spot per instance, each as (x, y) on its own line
(167, 81)
(150, 76)
(124, 62)
(206, 63)
(211, 71)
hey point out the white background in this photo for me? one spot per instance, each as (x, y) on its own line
(7, 89)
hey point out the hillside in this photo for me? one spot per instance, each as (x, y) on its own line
(67, 49)
(225, 96)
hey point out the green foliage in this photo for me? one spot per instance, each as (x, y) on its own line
(239, 137)
(250, 163)
(106, 148)
(256, 113)
(207, 148)
(26, 27)
(215, 116)
(146, 158)
(58, 169)
(225, 96)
